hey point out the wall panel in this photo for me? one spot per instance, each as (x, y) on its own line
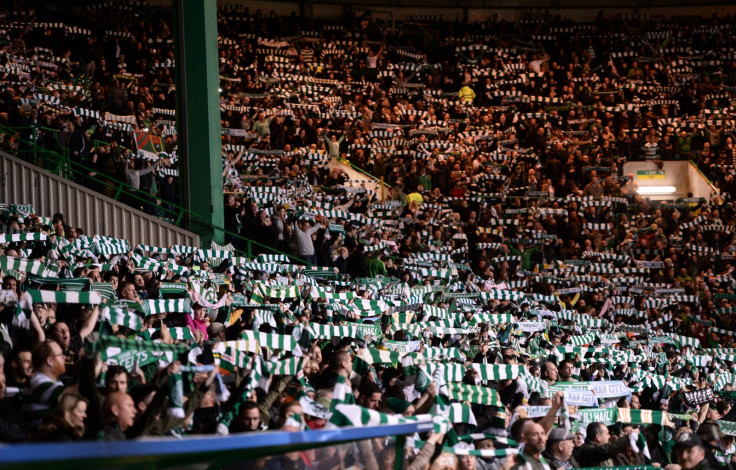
(24, 183)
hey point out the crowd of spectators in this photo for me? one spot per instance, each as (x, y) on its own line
(513, 269)
(102, 85)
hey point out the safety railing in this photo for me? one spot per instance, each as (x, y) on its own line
(97, 143)
(705, 177)
(365, 172)
(60, 163)
(213, 452)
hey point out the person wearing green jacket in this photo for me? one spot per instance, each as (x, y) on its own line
(375, 266)
(684, 145)
(526, 256)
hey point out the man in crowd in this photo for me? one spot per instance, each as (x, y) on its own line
(535, 441)
(560, 445)
(119, 413)
(598, 450)
(44, 389)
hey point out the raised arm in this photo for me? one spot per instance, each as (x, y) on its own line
(37, 329)
(548, 421)
(89, 324)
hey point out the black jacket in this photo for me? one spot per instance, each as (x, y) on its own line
(553, 463)
(591, 455)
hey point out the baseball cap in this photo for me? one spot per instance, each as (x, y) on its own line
(559, 434)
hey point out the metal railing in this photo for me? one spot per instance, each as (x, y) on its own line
(60, 163)
(365, 172)
(705, 177)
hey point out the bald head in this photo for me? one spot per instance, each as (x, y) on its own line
(535, 437)
(119, 408)
(549, 371)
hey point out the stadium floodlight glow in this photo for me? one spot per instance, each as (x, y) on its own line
(656, 190)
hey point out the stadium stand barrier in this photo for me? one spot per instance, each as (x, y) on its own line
(213, 451)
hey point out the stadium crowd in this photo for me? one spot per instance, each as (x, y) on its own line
(514, 287)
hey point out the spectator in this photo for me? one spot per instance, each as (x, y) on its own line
(43, 392)
(598, 449)
(72, 344)
(504, 260)
(690, 452)
(249, 419)
(560, 445)
(133, 178)
(21, 371)
(116, 379)
(535, 439)
(73, 140)
(304, 231)
(119, 414)
(66, 423)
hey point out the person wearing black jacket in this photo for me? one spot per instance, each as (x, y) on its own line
(709, 434)
(691, 454)
(12, 427)
(167, 191)
(73, 140)
(251, 221)
(232, 210)
(357, 263)
(560, 445)
(341, 261)
(598, 450)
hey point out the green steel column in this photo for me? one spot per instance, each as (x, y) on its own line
(198, 115)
